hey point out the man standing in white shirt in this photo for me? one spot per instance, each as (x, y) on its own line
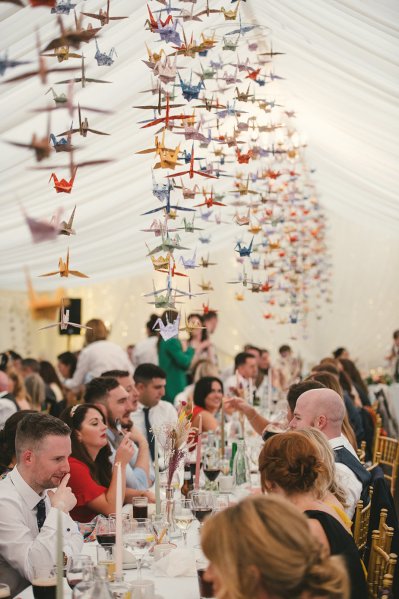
(242, 383)
(152, 413)
(324, 409)
(28, 509)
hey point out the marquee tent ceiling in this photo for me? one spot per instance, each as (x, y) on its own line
(341, 71)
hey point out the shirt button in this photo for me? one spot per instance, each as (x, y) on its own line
(68, 530)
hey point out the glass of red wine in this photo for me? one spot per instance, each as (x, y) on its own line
(205, 586)
(105, 530)
(75, 568)
(203, 503)
(211, 469)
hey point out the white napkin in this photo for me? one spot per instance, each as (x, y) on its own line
(179, 562)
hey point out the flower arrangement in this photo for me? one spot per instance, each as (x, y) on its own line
(379, 376)
(176, 439)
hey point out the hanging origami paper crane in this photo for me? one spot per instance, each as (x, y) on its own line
(205, 262)
(63, 185)
(64, 270)
(206, 285)
(41, 146)
(83, 128)
(192, 324)
(64, 323)
(190, 90)
(72, 37)
(189, 263)
(168, 330)
(243, 250)
(154, 24)
(168, 156)
(103, 15)
(191, 172)
(209, 200)
(40, 229)
(82, 79)
(102, 58)
(62, 54)
(65, 227)
(63, 7)
(42, 306)
(188, 226)
(168, 118)
(6, 63)
(169, 244)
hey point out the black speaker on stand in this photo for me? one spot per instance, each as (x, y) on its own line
(75, 315)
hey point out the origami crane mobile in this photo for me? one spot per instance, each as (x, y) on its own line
(190, 90)
(41, 230)
(64, 270)
(63, 7)
(65, 227)
(62, 54)
(244, 251)
(168, 330)
(169, 244)
(102, 58)
(83, 80)
(72, 37)
(42, 306)
(191, 172)
(189, 263)
(64, 323)
(103, 15)
(167, 156)
(83, 128)
(6, 63)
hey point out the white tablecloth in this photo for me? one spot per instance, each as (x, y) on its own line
(165, 587)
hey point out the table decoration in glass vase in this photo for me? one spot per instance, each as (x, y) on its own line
(176, 440)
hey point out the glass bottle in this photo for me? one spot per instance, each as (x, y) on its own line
(241, 469)
(233, 453)
(188, 484)
(211, 467)
(100, 588)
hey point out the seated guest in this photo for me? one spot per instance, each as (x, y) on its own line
(290, 465)
(8, 405)
(36, 389)
(208, 395)
(107, 393)
(330, 491)
(17, 389)
(202, 368)
(261, 548)
(324, 409)
(28, 518)
(152, 413)
(125, 379)
(93, 479)
(97, 356)
(356, 378)
(67, 364)
(7, 441)
(50, 377)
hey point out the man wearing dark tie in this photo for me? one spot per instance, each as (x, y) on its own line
(28, 508)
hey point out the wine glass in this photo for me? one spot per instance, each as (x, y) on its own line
(105, 530)
(138, 538)
(211, 469)
(203, 503)
(75, 567)
(184, 516)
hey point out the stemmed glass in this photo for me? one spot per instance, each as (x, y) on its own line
(75, 567)
(211, 469)
(203, 503)
(138, 537)
(184, 516)
(105, 530)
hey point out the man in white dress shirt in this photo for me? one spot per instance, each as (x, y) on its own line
(324, 409)
(152, 412)
(28, 509)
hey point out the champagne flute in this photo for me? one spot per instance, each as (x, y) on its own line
(184, 516)
(138, 538)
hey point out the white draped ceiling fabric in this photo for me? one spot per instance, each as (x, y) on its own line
(341, 78)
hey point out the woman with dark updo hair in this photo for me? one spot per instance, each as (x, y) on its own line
(7, 441)
(208, 395)
(289, 465)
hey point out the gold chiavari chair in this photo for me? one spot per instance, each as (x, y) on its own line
(382, 562)
(361, 523)
(361, 452)
(389, 450)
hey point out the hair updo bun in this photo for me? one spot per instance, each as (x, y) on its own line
(291, 461)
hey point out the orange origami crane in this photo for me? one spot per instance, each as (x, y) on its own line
(64, 270)
(62, 185)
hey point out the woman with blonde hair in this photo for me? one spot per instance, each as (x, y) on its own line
(36, 390)
(261, 548)
(18, 390)
(290, 465)
(99, 355)
(330, 491)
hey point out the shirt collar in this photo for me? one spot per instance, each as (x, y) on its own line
(337, 441)
(26, 492)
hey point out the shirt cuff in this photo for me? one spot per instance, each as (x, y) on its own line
(68, 525)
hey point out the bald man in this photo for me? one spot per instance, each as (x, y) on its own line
(324, 409)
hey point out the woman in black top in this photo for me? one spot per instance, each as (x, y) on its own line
(289, 465)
